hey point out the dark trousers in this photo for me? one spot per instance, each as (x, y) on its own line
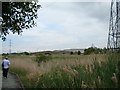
(5, 72)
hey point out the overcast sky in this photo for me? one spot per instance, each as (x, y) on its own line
(65, 25)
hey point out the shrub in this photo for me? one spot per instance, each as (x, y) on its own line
(5, 54)
(94, 50)
(71, 53)
(89, 51)
(42, 58)
(26, 53)
(79, 52)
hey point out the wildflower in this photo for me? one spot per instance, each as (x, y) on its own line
(114, 78)
(83, 85)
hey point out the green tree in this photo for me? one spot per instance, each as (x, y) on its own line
(39, 57)
(71, 53)
(5, 54)
(18, 16)
(94, 50)
(79, 52)
(25, 53)
(89, 50)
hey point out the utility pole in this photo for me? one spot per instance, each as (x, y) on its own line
(114, 26)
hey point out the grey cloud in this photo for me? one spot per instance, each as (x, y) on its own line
(79, 25)
(99, 10)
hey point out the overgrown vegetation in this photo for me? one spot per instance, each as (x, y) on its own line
(69, 72)
(97, 75)
(25, 68)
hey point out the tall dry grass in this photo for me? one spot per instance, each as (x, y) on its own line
(99, 74)
(27, 64)
(24, 63)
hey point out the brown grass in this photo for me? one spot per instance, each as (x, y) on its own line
(26, 63)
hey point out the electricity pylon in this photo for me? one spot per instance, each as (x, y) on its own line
(114, 26)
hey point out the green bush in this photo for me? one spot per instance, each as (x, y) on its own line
(25, 53)
(71, 53)
(5, 54)
(79, 52)
(42, 58)
(94, 50)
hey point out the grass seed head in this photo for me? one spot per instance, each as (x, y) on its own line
(116, 69)
(100, 63)
(70, 77)
(68, 71)
(75, 71)
(86, 68)
(94, 84)
(90, 69)
(99, 80)
(92, 65)
(59, 74)
(83, 85)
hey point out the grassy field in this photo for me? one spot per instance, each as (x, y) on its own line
(67, 71)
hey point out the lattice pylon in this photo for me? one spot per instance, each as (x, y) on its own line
(114, 26)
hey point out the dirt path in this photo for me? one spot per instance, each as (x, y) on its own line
(11, 82)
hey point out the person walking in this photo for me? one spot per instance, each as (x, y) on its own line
(5, 67)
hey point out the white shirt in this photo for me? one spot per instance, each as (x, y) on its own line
(6, 63)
